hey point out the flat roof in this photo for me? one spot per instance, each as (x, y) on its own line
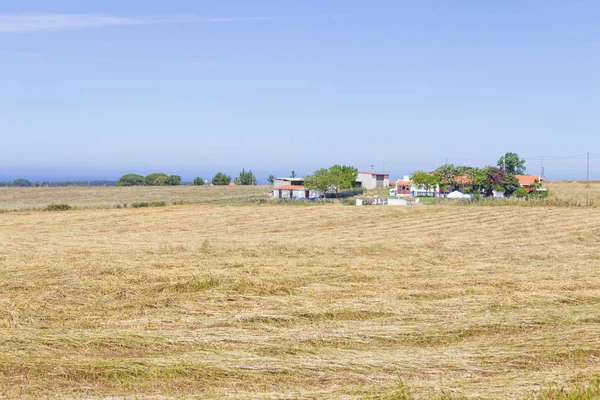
(374, 173)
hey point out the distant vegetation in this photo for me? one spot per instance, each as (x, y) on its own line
(198, 181)
(154, 179)
(221, 179)
(245, 178)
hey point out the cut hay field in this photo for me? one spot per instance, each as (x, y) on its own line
(270, 301)
(33, 198)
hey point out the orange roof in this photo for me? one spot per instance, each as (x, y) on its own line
(462, 179)
(401, 182)
(527, 179)
(290, 187)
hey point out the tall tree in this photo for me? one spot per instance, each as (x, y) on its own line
(245, 178)
(271, 179)
(221, 179)
(514, 164)
(293, 174)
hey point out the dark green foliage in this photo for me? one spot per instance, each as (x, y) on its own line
(514, 164)
(21, 183)
(173, 180)
(155, 179)
(245, 178)
(148, 204)
(131, 180)
(293, 174)
(271, 179)
(57, 207)
(221, 179)
(198, 181)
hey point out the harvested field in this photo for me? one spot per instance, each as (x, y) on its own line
(270, 301)
(36, 198)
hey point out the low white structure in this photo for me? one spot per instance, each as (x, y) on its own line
(294, 192)
(458, 195)
(372, 180)
(405, 201)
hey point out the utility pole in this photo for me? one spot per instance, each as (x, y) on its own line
(542, 175)
(446, 160)
(383, 166)
(588, 169)
(504, 162)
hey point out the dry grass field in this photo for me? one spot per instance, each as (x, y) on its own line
(274, 301)
(32, 198)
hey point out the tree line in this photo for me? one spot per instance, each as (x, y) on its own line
(484, 180)
(162, 179)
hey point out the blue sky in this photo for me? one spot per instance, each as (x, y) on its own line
(100, 88)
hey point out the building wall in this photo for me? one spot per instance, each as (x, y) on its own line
(369, 181)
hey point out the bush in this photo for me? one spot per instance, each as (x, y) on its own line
(198, 181)
(57, 207)
(221, 179)
(130, 180)
(173, 180)
(521, 192)
(245, 178)
(155, 179)
(148, 204)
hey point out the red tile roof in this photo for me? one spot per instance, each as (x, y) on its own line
(462, 179)
(290, 187)
(527, 179)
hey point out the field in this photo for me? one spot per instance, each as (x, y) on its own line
(33, 198)
(275, 301)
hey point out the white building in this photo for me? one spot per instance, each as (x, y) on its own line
(372, 180)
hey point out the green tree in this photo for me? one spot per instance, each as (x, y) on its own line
(320, 180)
(221, 179)
(271, 179)
(173, 180)
(427, 181)
(521, 192)
(21, 183)
(198, 181)
(131, 180)
(514, 164)
(293, 174)
(155, 179)
(245, 178)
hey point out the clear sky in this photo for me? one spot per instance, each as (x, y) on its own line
(100, 88)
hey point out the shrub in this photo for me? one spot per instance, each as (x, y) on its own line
(221, 179)
(521, 192)
(57, 207)
(173, 180)
(198, 181)
(148, 204)
(130, 180)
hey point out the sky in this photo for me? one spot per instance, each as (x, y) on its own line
(96, 89)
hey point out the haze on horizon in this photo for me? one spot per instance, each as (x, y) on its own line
(195, 87)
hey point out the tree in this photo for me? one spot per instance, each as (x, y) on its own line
(293, 174)
(198, 181)
(337, 177)
(131, 180)
(320, 180)
(155, 179)
(245, 178)
(221, 179)
(271, 179)
(493, 178)
(21, 183)
(426, 181)
(514, 164)
(173, 180)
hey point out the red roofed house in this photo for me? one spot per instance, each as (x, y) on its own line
(403, 187)
(292, 189)
(527, 181)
